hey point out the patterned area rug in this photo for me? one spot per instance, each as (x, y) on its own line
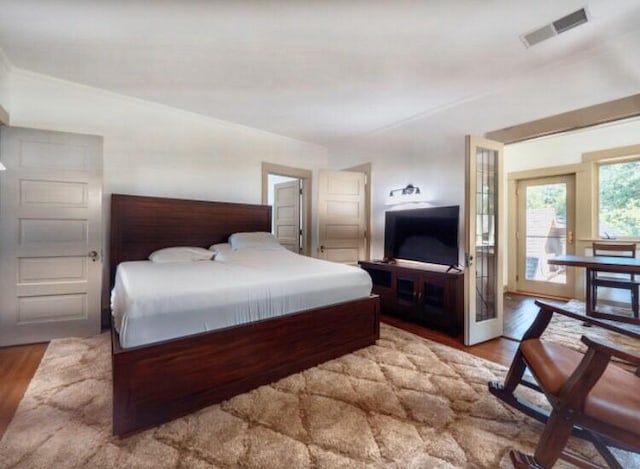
(567, 331)
(403, 403)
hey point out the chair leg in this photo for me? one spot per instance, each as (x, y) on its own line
(553, 440)
(515, 373)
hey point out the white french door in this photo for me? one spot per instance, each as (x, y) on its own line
(484, 245)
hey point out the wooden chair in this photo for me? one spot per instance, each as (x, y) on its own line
(589, 398)
(623, 282)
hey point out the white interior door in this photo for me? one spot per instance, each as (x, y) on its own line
(342, 216)
(50, 235)
(484, 246)
(286, 214)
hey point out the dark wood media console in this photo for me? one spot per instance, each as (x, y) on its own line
(418, 294)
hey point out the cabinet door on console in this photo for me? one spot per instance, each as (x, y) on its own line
(433, 298)
(407, 294)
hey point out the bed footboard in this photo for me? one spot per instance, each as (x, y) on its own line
(157, 383)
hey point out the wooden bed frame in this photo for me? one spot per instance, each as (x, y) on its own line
(156, 383)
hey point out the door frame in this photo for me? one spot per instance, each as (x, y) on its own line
(556, 291)
(581, 179)
(299, 173)
(366, 169)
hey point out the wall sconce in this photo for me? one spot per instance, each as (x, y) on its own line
(407, 194)
(408, 190)
(2, 168)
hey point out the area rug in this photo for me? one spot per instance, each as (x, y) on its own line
(405, 402)
(567, 331)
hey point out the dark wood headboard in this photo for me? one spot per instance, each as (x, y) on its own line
(141, 225)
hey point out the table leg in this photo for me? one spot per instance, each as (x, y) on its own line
(589, 293)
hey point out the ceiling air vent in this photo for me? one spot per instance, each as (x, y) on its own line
(558, 26)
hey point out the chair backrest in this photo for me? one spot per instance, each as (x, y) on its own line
(614, 250)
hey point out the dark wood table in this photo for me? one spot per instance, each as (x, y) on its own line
(593, 265)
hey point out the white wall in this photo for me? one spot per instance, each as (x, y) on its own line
(403, 156)
(157, 150)
(5, 71)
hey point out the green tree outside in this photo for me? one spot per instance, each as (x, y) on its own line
(619, 185)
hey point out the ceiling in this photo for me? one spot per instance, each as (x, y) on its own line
(320, 71)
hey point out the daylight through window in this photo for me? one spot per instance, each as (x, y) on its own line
(619, 196)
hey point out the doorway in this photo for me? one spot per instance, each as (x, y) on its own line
(289, 189)
(285, 198)
(545, 229)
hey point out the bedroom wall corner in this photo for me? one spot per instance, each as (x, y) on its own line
(5, 77)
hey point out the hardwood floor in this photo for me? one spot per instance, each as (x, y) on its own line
(18, 364)
(499, 350)
(519, 313)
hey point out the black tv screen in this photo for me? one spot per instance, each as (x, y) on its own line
(424, 235)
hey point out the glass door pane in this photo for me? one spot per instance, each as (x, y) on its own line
(545, 219)
(485, 234)
(483, 276)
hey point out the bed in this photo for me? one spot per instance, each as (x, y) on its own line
(169, 378)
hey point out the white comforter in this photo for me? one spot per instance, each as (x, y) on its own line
(159, 301)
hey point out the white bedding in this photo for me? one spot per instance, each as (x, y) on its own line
(152, 301)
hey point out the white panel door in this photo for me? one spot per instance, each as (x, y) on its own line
(50, 235)
(483, 222)
(342, 216)
(286, 214)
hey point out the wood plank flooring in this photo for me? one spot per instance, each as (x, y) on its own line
(18, 364)
(499, 350)
(519, 313)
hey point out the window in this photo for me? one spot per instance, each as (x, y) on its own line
(619, 196)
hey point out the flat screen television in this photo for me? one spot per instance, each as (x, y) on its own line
(424, 235)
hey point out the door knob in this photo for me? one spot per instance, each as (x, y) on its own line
(468, 259)
(93, 255)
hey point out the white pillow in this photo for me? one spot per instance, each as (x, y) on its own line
(220, 248)
(257, 240)
(181, 254)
